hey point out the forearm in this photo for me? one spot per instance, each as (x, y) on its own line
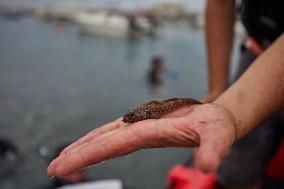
(259, 92)
(219, 34)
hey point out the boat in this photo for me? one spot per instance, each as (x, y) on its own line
(102, 24)
(112, 24)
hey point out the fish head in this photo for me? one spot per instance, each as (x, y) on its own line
(135, 115)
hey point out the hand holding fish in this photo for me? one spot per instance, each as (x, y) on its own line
(209, 127)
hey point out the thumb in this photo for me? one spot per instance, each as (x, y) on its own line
(209, 155)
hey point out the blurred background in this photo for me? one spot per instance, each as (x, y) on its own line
(69, 66)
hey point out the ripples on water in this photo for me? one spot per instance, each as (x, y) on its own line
(56, 85)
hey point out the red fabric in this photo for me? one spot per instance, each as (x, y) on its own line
(276, 166)
(181, 177)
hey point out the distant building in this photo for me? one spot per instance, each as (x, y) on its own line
(170, 10)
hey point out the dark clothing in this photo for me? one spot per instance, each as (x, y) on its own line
(263, 19)
(9, 157)
(57, 183)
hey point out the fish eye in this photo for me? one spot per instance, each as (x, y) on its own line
(148, 113)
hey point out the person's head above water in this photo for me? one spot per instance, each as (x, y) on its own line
(158, 63)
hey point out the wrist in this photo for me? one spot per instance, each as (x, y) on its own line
(231, 110)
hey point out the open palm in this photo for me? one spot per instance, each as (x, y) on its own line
(209, 127)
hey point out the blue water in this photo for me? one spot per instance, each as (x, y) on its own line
(56, 85)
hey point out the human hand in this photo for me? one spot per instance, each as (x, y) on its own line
(210, 127)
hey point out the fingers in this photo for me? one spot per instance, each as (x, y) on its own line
(91, 135)
(118, 142)
(115, 124)
(123, 140)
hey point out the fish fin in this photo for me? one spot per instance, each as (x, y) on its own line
(185, 99)
(171, 99)
(153, 102)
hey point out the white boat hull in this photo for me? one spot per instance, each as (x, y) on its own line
(103, 24)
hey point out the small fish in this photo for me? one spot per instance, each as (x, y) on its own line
(157, 109)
